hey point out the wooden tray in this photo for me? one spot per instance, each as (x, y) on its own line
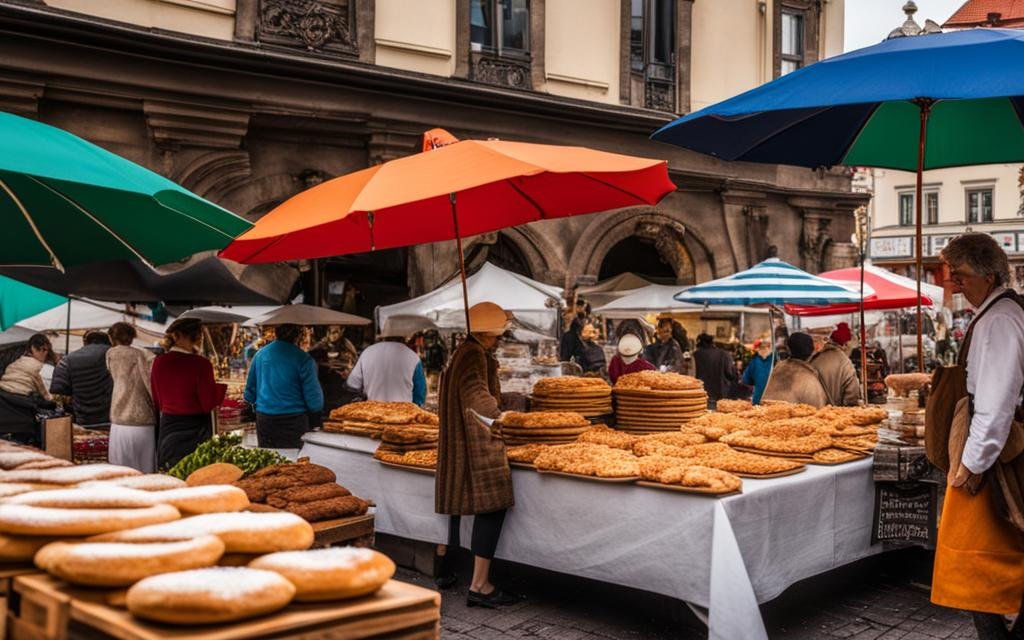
(407, 467)
(832, 464)
(522, 465)
(694, 490)
(625, 480)
(50, 608)
(766, 476)
(800, 457)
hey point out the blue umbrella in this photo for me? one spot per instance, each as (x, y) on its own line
(772, 282)
(916, 103)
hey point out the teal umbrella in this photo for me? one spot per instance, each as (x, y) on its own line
(67, 202)
(19, 301)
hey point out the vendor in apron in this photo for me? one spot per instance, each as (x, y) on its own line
(473, 475)
(979, 558)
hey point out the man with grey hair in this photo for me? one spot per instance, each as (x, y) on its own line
(979, 556)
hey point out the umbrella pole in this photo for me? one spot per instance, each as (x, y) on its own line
(462, 260)
(67, 330)
(925, 105)
(863, 336)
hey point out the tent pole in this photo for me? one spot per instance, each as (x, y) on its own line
(925, 105)
(462, 260)
(67, 330)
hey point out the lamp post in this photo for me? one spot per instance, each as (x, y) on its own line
(860, 237)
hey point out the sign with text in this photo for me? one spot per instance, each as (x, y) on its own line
(905, 512)
(1007, 240)
(892, 247)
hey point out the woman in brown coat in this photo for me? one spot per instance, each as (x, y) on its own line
(473, 476)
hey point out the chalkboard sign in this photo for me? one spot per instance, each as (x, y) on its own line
(905, 512)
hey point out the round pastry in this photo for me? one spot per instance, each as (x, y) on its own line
(21, 548)
(91, 498)
(147, 482)
(205, 596)
(119, 564)
(45, 464)
(68, 475)
(14, 459)
(211, 498)
(43, 521)
(334, 573)
(243, 532)
(8, 489)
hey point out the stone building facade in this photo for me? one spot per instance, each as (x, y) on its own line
(247, 102)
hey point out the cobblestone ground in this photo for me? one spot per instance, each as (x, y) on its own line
(882, 598)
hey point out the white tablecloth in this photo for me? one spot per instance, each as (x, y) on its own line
(724, 554)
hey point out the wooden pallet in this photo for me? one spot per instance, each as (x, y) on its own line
(7, 575)
(53, 610)
(356, 531)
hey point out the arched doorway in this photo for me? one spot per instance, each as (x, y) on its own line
(501, 252)
(639, 255)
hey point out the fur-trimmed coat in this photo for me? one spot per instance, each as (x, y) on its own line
(795, 381)
(838, 376)
(473, 475)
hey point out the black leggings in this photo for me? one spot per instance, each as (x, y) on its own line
(486, 531)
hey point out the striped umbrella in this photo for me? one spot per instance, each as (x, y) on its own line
(772, 282)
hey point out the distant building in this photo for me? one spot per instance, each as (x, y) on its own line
(987, 13)
(987, 198)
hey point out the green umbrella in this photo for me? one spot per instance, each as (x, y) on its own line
(19, 301)
(66, 202)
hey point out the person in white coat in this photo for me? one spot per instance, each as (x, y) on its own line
(389, 371)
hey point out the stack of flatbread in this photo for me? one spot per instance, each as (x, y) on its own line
(542, 427)
(371, 418)
(649, 401)
(589, 397)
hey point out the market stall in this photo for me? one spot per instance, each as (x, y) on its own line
(727, 555)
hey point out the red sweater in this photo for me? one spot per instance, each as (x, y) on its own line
(183, 385)
(618, 368)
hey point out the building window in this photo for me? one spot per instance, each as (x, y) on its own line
(791, 49)
(652, 52)
(501, 26)
(979, 205)
(906, 209)
(931, 206)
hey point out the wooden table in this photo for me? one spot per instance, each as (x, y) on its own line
(54, 610)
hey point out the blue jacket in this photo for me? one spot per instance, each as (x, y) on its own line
(756, 374)
(282, 381)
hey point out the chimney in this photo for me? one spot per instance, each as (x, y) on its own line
(992, 19)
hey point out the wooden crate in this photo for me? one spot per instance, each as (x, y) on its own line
(356, 531)
(54, 610)
(7, 575)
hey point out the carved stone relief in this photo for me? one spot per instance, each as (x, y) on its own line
(501, 72)
(325, 26)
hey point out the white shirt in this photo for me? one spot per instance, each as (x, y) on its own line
(384, 372)
(995, 375)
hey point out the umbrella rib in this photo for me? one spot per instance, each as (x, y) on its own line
(612, 186)
(97, 221)
(540, 211)
(54, 260)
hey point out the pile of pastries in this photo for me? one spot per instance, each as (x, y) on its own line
(671, 471)
(589, 397)
(649, 401)
(308, 490)
(370, 418)
(187, 554)
(586, 459)
(541, 427)
(410, 445)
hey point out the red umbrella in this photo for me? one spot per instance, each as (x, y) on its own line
(451, 190)
(886, 295)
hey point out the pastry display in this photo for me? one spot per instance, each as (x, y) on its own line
(798, 445)
(15, 458)
(547, 427)
(425, 459)
(335, 573)
(589, 397)
(732, 406)
(399, 440)
(674, 471)
(68, 475)
(607, 436)
(212, 595)
(649, 401)
(589, 460)
(242, 532)
(305, 489)
(15, 548)
(835, 456)
(146, 482)
(46, 521)
(216, 473)
(525, 453)
(8, 489)
(212, 498)
(99, 497)
(119, 564)
(369, 418)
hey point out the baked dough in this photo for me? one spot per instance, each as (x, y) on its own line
(147, 482)
(101, 497)
(243, 532)
(211, 498)
(205, 596)
(44, 521)
(14, 459)
(21, 548)
(119, 564)
(8, 489)
(334, 573)
(68, 475)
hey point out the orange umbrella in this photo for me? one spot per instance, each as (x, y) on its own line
(449, 192)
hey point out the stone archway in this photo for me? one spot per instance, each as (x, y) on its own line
(680, 246)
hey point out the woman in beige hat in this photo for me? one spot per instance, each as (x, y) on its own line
(473, 475)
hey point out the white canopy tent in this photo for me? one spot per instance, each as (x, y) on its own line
(534, 303)
(86, 315)
(611, 289)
